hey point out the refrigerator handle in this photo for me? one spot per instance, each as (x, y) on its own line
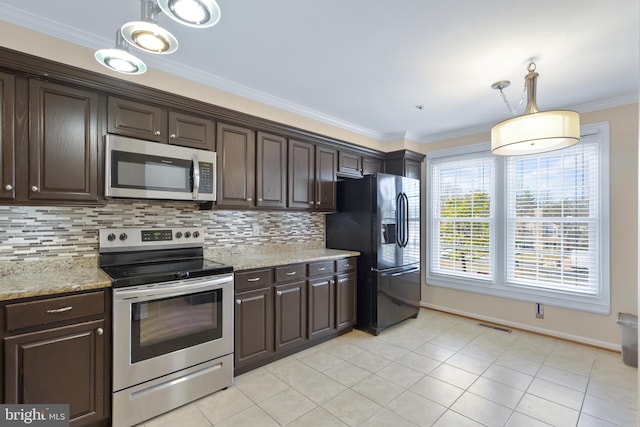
(399, 220)
(406, 219)
(400, 273)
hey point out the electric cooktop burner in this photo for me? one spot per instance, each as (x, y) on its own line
(136, 256)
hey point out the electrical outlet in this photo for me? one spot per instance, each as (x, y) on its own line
(255, 229)
(539, 311)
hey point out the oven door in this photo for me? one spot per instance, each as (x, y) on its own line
(162, 328)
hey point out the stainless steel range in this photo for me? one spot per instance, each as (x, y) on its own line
(172, 320)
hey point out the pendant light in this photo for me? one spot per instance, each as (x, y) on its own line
(119, 59)
(534, 131)
(192, 13)
(146, 34)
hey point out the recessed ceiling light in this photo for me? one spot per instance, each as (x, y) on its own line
(419, 107)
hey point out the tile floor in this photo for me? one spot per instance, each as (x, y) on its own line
(436, 370)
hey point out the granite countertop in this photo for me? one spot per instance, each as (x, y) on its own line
(30, 279)
(248, 261)
(41, 278)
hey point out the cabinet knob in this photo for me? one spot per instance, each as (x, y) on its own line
(8, 187)
(279, 293)
(311, 203)
(34, 188)
(99, 331)
(238, 301)
(249, 199)
(172, 136)
(156, 133)
(259, 200)
(332, 282)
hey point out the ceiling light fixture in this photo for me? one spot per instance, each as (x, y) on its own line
(193, 13)
(146, 34)
(534, 131)
(119, 59)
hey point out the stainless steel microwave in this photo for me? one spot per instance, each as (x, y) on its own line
(141, 169)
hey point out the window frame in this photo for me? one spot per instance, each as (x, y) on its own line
(599, 302)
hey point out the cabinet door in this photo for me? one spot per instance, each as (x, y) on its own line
(301, 175)
(271, 169)
(129, 118)
(321, 306)
(7, 153)
(236, 148)
(326, 168)
(253, 326)
(63, 143)
(291, 315)
(349, 164)
(345, 301)
(191, 131)
(59, 366)
(371, 166)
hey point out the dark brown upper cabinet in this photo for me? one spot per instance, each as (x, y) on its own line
(271, 171)
(312, 176)
(63, 143)
(7, 142)
(154, 123)
(356, 165)
(236, 151)
(404, 163)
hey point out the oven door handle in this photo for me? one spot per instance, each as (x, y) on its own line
(177, 288)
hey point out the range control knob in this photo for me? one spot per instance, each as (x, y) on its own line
(187, 234)
(178, 234)
(196, 234)
(111, 237)
(123, 236)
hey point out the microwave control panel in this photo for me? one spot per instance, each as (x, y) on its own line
(206, 177)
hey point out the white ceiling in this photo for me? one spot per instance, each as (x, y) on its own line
(364, 65)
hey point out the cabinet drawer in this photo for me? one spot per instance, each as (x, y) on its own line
(345, 264)
(320, 268)
(253, 279)
(41, 312)
(290, 272)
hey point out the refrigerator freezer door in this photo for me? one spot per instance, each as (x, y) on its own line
(397, 296)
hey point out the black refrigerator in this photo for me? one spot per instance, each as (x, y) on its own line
(379, 216)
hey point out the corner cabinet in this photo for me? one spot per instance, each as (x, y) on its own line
(404, 163)
(57, 351)
(63, 143)
(284, 309)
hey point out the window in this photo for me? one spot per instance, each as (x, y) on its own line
(533, 228)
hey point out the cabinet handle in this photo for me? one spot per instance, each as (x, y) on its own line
(100, 331)
(322, 268)
(249, 199)
(253, 279)
(156, 133)
(347, 265)
(59, 310)
(173, 135)
(8, 187)
(279, 293)
(34, 188)
(238, 301)
(290, 273)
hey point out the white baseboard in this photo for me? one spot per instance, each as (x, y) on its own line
(528, 328)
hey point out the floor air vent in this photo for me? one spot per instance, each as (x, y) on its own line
(497, 328)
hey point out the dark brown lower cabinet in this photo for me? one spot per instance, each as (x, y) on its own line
(321, 306)
(253, 326)
(290, 315)
(57, 351)
(345, 301)
(59, 366)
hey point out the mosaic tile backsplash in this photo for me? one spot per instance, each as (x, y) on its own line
(30, 233)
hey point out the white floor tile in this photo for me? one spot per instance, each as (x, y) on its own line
(609, 410)
(497, 392)
(251, 417)
(438, 391)
(557, 393)
(319, 417)
(482, 410)
(451, 419)
(351, 408)
(286, 406)
(378, 389)
(546, 411)
(320, 388)
(455, 376)
(416, 408)
(223, 404)
(347, 373)
(400, 374)
(386, 418)
(508, 377)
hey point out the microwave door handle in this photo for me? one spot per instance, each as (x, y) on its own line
(196, 177)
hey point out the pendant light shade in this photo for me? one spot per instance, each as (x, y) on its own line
(535, 131)
(146, 34)
(119, 59)
(192, 13)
